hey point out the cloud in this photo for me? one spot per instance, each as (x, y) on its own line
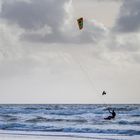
(124, 36)
(34, 14)
(92, 33)
(49, 21)
(129, 17)
(8, 43)
(14, 60)
(123, 42)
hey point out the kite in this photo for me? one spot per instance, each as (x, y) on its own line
(80, 23)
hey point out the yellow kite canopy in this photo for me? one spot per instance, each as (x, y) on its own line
(80, 23)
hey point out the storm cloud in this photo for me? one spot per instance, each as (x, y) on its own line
(129, 17)
(46, 21)
(34, 15)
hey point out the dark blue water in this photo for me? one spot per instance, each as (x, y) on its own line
(71, 119)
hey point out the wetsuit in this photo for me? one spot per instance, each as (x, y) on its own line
(111, 117)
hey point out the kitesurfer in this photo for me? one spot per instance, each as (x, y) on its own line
(113, 115)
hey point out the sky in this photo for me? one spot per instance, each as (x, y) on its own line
(45, 58)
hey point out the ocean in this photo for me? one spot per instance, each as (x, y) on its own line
(72, 120)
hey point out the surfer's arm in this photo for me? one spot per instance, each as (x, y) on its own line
(109, 111)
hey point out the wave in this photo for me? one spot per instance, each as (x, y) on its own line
(70, 119)
(15, 127)
(64, 109)
(128, 132)
(129, 123)
(42, 119)
(8, 118)
(121, 109)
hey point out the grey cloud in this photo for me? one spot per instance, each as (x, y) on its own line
(124, 36)
(91, 33)
(129, 17)
(34, 16)
(103, 0)
(123, 43)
